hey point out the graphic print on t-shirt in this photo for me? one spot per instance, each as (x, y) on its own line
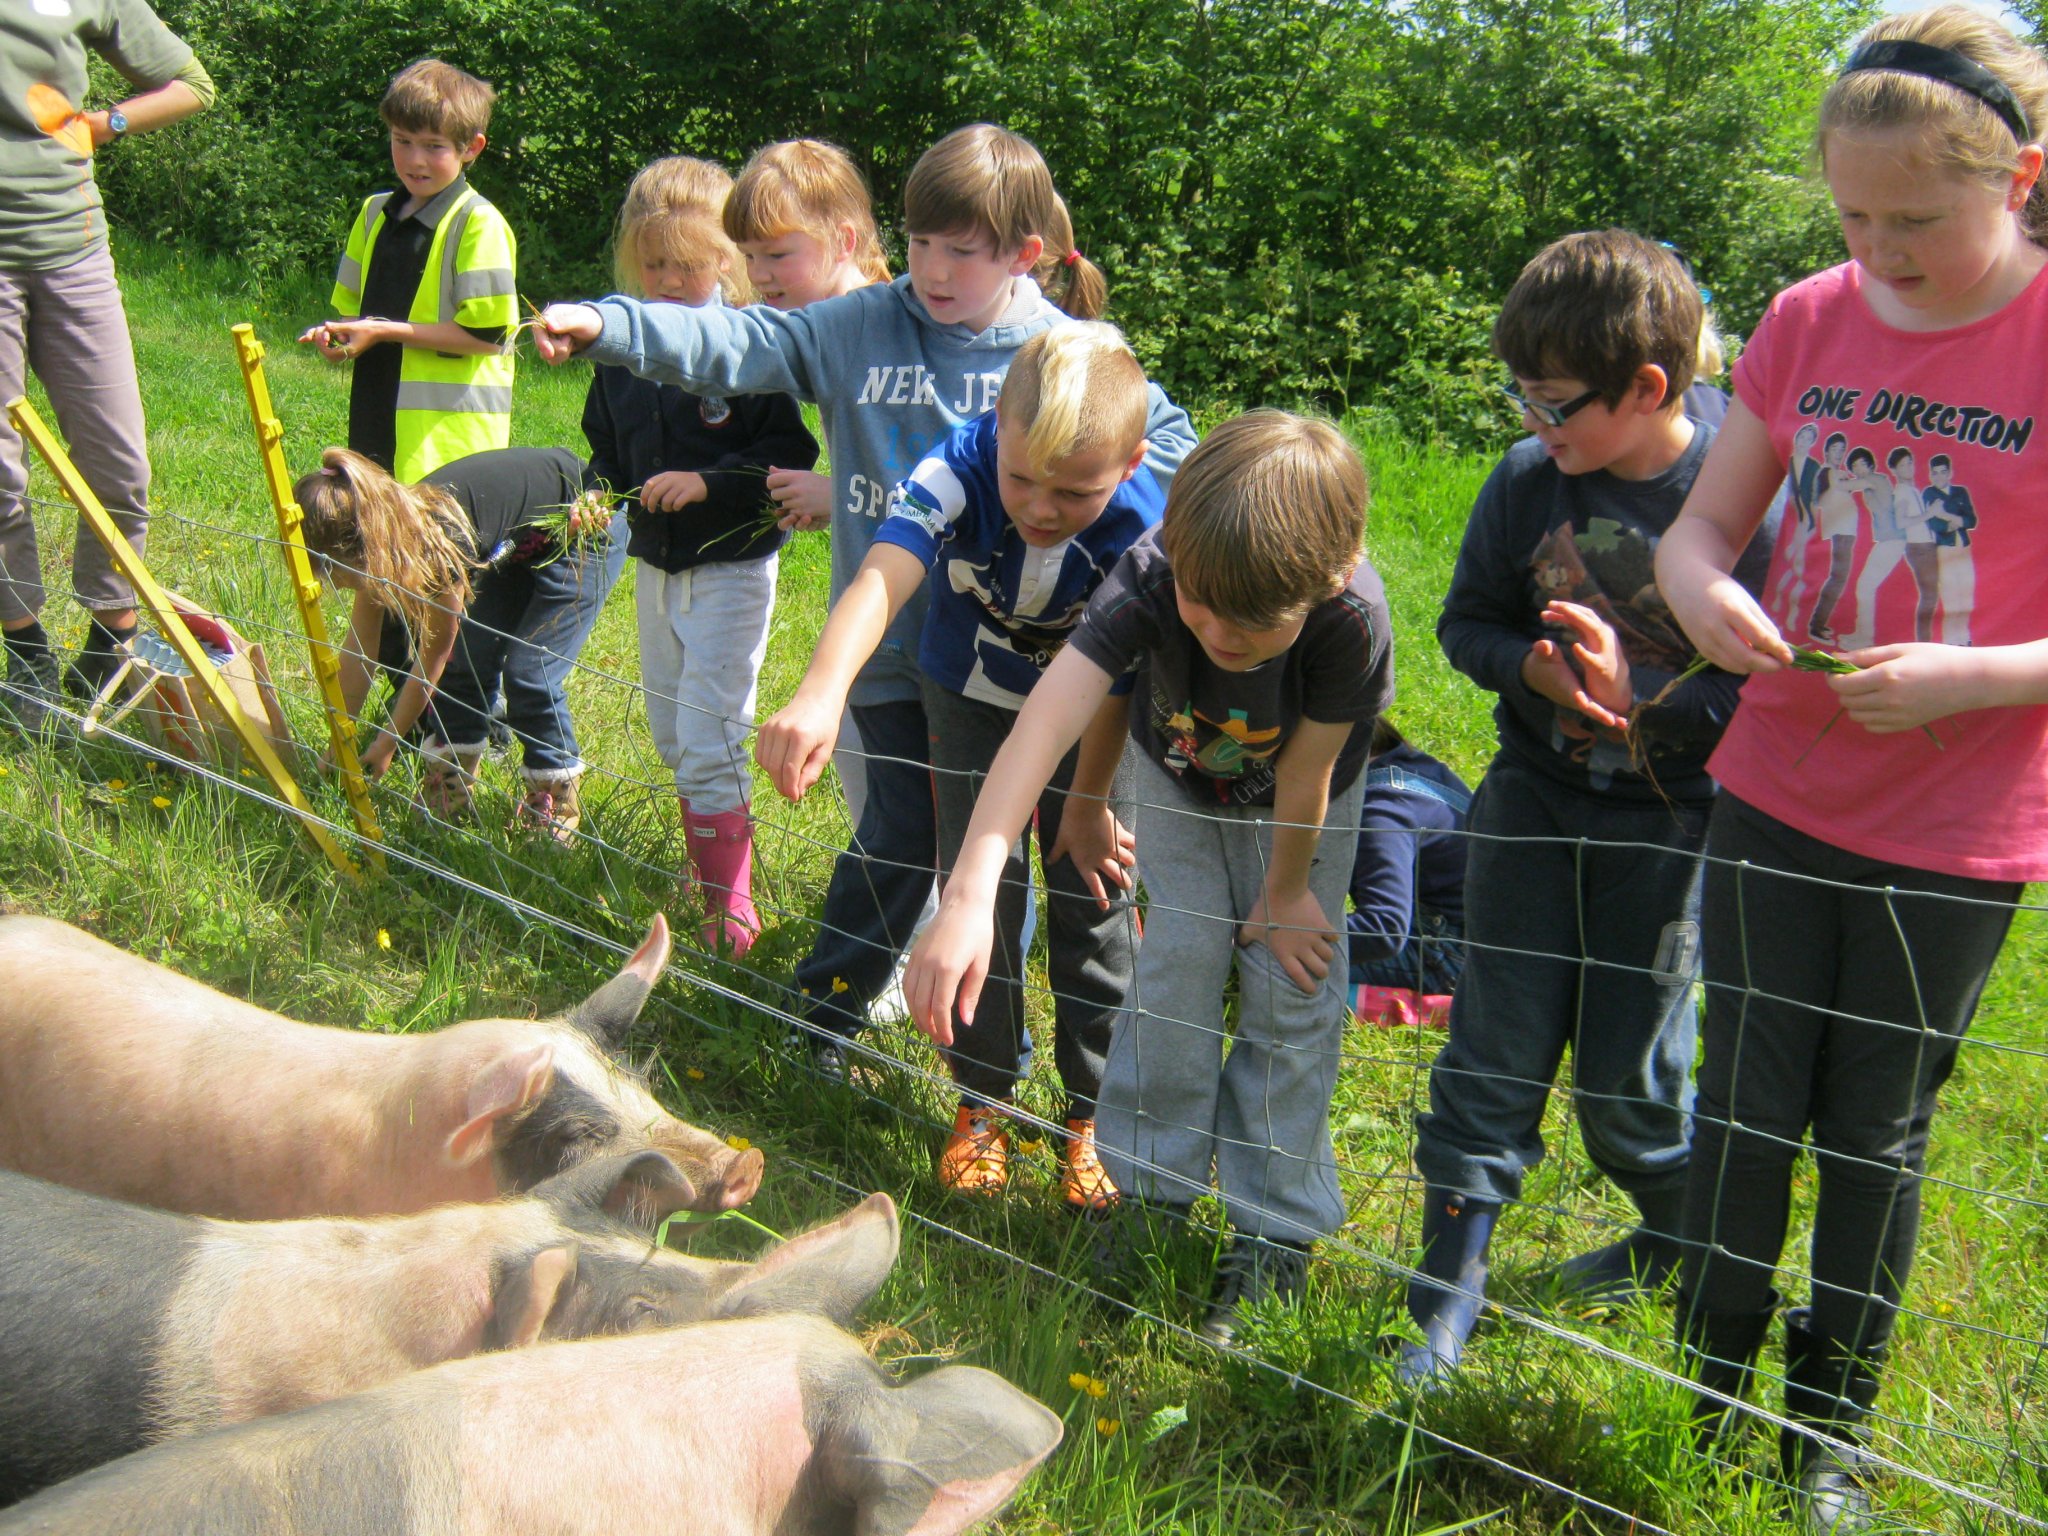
(1883, 543)
(1607, 567)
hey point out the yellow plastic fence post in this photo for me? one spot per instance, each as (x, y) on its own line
(341, 730)
(158, 602)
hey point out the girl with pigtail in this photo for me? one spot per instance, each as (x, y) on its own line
(475, 564)
(894, 369)
(703, 528)
(1850, 916)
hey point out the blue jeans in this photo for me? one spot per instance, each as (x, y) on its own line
(879, 883)
(1582, 925)
(523, 630)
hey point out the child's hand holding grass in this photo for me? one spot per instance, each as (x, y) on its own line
(803, 499)
(672, 490)
(1602, 664)
(1903, 687)
(563, 330)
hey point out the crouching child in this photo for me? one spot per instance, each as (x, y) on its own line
(1263, 653)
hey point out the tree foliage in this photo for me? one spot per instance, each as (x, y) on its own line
(1294, 199)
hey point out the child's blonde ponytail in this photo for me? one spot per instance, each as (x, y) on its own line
(1070, 279)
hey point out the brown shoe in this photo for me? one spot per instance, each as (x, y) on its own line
(447, 782)
(976, 1159)
(550, 807)
(1084, 1182)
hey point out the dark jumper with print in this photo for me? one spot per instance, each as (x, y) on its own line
(1217, 732)
(1538, 534)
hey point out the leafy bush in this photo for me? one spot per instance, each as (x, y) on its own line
(1294, 199)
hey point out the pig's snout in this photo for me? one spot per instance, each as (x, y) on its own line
(739, 1181)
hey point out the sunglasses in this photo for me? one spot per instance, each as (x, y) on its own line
(1550, 415)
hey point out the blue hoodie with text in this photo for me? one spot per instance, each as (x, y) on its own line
(890, 384)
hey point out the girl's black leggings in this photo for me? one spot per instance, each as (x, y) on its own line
(1839, 988)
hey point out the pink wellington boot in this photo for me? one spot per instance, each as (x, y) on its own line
(722, 848)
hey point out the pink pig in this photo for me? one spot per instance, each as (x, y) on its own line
(777, 1426)
(125, 1079)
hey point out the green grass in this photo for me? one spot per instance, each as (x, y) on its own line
(1305, 1438)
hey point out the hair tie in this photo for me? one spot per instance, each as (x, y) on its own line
(1072, 257)
(1951, 68)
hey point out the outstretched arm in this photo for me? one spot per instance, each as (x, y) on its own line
(1696, 557)
(950, 962)
(796, 741)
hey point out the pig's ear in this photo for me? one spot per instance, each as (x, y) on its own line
(607, 1015)
(526, 1292)
(640, 1187)
(832, 1269)
(508, 1086)
(938, 1456)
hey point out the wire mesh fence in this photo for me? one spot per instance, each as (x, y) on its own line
(1956, 1433)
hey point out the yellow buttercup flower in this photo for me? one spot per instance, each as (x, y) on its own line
(161, 802)
(738, 1143)
(117, 785)
(1107, 1427)
(694, 1074)
(383, 938)
(1079, 1381)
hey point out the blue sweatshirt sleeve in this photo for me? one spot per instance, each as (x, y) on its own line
(1169, 435)
(1487, 626)
(716, 350)
(1383, 876)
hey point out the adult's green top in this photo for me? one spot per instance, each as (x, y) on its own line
(50, 214)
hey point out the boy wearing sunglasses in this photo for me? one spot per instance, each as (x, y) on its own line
(1582, 883)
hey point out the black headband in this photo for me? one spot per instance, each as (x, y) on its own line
(1964, 74)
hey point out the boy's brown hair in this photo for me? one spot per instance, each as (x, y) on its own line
(1266, 518)
(1596, 307)
(995, 182)
(428, 96)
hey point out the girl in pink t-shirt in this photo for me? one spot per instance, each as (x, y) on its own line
(1873, 829)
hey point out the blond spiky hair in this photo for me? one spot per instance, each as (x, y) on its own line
(1073, 389)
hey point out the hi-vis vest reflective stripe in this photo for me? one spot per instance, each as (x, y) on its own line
(450, 405)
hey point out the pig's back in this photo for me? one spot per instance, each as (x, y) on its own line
(346, 1468)
(121, 1077)
(84, 1290)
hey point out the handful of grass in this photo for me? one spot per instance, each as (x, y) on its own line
(1805, 658)
(575, 528)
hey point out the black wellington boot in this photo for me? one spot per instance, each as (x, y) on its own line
(1446, 1296)
(1720, 1350)
(1639, 1264)
(1829, 1388)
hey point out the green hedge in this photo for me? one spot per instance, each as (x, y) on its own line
(1295, 199)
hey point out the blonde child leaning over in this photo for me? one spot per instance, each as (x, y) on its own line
(1263, 653)
(471, 565)
(702, 527)
(1012, 525)
(1862, 878)
(894, 369)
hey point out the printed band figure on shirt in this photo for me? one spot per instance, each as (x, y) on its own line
(1835, 505)
(1898, 532)
(1950, 517)
(1802, 491)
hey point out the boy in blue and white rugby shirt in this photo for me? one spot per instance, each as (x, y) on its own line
(1018, 517)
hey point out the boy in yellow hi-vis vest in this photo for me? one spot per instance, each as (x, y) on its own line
(425, 294)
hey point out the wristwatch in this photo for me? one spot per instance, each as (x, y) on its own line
(117, 121)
